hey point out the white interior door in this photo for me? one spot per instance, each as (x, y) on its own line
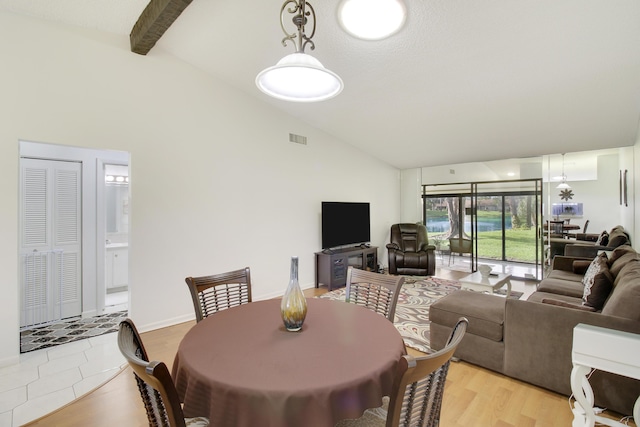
(50, 238)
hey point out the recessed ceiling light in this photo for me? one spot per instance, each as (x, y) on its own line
(372, 19)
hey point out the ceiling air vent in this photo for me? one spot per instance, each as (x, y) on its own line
(298, 139)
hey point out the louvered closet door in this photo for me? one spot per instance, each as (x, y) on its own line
(50, 240)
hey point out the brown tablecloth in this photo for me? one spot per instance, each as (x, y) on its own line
(241, 368)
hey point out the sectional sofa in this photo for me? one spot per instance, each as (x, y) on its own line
(589, 244)
(531, 340)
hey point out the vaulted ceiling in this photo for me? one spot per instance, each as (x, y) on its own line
(463, 81)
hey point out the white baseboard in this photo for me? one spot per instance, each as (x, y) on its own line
(165, 323)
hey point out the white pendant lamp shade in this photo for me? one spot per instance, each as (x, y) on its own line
(372, 19)
(299, 77)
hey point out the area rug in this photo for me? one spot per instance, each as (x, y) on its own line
(412, 310)
(70, 330)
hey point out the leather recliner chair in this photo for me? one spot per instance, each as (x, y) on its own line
(410, 252)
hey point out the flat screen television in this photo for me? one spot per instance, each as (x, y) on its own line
(345, 223)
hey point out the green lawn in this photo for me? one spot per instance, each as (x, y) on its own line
(520, 244)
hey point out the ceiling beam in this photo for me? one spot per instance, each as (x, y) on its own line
(155, 19)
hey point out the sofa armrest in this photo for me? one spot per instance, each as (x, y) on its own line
(538, 343)
(565, 263)
(587, 237)
(584, 250)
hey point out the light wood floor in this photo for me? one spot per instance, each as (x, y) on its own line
(473, 396)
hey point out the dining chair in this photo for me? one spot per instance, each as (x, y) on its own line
(556, 228)
(459, 245)
(211, 294)
(574, 235)
(416, 398)
(154, 382)
(378, 292)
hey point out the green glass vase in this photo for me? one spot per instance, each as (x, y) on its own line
(294, 305)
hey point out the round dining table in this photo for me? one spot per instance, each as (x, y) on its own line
(240, 367)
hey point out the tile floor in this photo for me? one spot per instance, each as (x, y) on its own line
(69, 330)
(47, 379)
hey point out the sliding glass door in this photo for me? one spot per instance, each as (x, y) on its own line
(501, 219)
(447, 216)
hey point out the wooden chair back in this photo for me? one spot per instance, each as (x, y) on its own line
(211, 294)
(154, 381)
(378, 292)
(416, 398)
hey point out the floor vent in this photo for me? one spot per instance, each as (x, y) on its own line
(298, 139)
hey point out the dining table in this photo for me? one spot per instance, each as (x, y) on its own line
(562, 227)
(240, 367)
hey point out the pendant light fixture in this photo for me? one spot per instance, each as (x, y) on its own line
(563, 185)
(299, 76)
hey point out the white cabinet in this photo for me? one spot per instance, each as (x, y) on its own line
(607, 350)
(117, 267)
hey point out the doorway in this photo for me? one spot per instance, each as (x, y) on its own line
(84, 219)
(114, 218)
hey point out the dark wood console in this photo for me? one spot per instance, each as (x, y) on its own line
(331, 266)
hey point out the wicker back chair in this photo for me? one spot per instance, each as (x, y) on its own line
(211, 294)
(156, 387)
(379, 292)
(416, 397)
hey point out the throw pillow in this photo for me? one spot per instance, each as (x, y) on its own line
(566, 304)
(615, 241)
(597, 282)
(603, 240)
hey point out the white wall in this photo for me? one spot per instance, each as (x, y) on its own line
(216, 185)
(410, 195)
(458, 173)
(599, 198)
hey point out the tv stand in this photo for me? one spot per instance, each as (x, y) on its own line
(332, 265)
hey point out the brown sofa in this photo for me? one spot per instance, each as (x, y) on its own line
(588, 244)
(532, 340)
